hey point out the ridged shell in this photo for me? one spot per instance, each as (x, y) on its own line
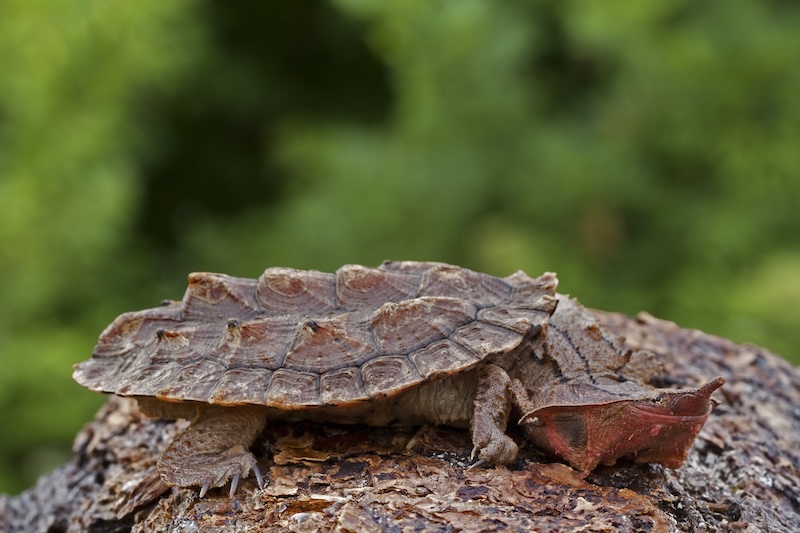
(295, 339)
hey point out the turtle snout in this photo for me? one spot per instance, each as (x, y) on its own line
(696, 403)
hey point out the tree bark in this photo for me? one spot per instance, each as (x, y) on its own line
(743, 473)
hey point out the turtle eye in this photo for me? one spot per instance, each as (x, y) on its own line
(658, 399)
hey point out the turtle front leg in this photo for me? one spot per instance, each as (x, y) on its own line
(214, 449)
(494, 397)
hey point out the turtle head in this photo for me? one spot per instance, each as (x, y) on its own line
(657, 426)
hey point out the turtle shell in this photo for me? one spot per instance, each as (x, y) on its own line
(297, 339)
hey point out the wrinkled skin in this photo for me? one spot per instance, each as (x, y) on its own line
(659, 428)
(590, 401)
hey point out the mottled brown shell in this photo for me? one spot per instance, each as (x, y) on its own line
(295, 339)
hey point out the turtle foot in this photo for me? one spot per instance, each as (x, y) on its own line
(214, 450)
(493, 400)
(211, 470)
(497, 449)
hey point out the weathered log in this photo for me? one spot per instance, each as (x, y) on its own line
(743, 473)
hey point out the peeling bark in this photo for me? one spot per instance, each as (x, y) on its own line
(743, 473)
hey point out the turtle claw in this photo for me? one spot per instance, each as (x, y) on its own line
(476, 464)
(474, 453)
(210, 470)
(234, 484)
(259, 477)
(235, 479)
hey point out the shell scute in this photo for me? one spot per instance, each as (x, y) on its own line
(342, 387)
(417, 268)
(288, 290)
(290, 389)
(261, 342)
(184, 345)
(129, 329)
(442, 358)
(154, 377)
(295, 339)
(388, 375)
(122, 372)
(485, 339)
(213, 296)
(358, 286)
(241, 386)
(519, 320)
(96, 374)
(329, 344)
(400, 328)
(456, 282)
(193, 383)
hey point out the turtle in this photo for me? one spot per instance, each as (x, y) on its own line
(406, 343)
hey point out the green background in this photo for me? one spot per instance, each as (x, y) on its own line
(646, 151)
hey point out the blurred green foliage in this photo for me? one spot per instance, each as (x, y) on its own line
(645, 151)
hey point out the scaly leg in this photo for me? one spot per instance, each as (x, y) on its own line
(214, 449)
(493, 400)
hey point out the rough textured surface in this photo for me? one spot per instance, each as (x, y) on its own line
(742, 474)
(591, 399)
(297, 339)
(406, 343)
(402, 344)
